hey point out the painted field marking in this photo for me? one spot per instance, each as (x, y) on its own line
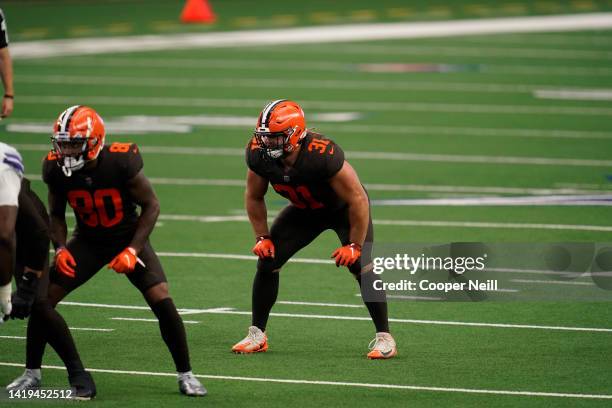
(372, 106)
(338, 383)
(132, 319)
(289, 302)
(225, 311)
(363, 155)
(313, 35)
(553, 282)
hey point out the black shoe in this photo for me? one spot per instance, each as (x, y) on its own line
(83, 385)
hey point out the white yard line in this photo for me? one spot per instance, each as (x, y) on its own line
(13, 337)
(289, 302)
(575, 94)
(91, 329)
(339, 383)
(456, 51)
(266, 83)
(552, 200)
(312, 35)
(552, 282)
(225, 311)
(311, 65)
(373, 106)
(132, 319)
(353, 155)
(386, 187)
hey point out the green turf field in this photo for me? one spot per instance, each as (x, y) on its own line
(477, 130)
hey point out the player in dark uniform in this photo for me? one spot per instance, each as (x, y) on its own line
(325, 193)
(30, 299)
(104, 185)
(6, 69)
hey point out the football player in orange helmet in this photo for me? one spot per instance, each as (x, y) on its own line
(104, 185)
(324, 193)
(78, 137)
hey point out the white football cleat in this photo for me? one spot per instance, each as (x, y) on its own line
(190, 385)
(256, 341)
(26, 381)
(382, 347)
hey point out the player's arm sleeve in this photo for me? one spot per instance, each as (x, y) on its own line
(32, 232)
(334, 159)
(134, 162)
(3, 31)
(252, 160)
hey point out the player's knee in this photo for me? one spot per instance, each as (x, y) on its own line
(156, 293)
(55, 295)
(267, 266)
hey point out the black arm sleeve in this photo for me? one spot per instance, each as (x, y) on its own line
(32, 232)
(3, 31)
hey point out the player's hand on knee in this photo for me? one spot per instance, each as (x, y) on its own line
(125, 262)
(64, 262)
(347, 255)
(264, 247)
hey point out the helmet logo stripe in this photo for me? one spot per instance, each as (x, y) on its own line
(65, 119)
(265, 117)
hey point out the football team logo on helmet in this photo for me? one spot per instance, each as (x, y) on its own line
(280, 128)
(78, 137)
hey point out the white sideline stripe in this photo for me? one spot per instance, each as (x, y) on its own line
(387, 86)
(553, 282)
(407, 297)
(91, 329)
(289, 302)
(578, 95)
(250, 64)
(13, 337)
(374, 106)
(381, 187)
(551, 200)
(358, 318)
(132, 319)
(320, 34)
(339, 383)
(419, 157)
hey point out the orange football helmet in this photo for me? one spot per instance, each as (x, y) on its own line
(280, 128)
(78, 137)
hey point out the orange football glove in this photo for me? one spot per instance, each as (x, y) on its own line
(64, 262)
(264, 247)
(347, 255)
(125, 262)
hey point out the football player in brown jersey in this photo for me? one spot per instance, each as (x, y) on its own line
(104, 185)
(324, 193)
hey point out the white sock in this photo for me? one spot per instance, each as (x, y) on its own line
(34, 372)
(185, 374)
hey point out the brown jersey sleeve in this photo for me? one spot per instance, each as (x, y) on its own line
(49, 168)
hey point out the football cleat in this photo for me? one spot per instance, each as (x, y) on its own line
(382, 347)
(256, 341)
(83, 385)
(190, 385)
(26, 381)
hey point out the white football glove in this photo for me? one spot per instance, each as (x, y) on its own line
(5, 301)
